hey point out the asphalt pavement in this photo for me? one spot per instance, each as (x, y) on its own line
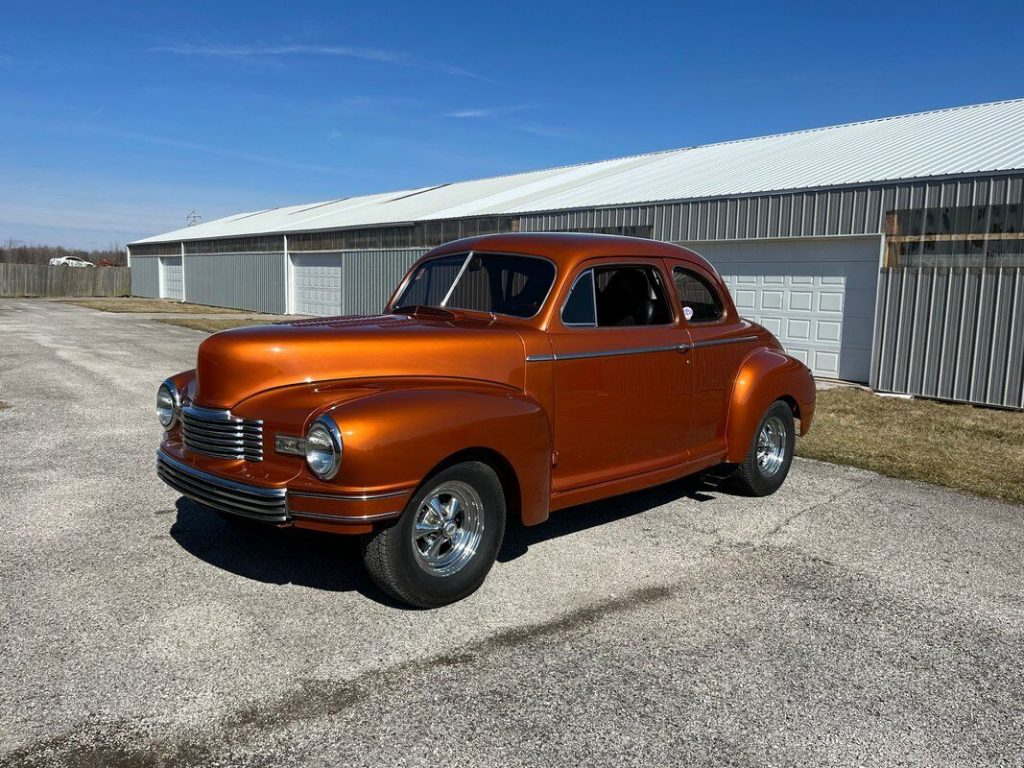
(850, 619)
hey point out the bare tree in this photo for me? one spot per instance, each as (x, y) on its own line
(17, 252)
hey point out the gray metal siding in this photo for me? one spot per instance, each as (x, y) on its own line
(146, 276)
(253, 281)
(814, 213)
(951, 333)
(370, 277)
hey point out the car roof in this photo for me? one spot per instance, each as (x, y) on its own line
(567, 249)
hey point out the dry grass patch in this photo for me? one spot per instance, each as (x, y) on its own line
(212, 325)
(980, 450)
(156, 306)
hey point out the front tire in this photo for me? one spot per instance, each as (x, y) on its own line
(443, 546)
(770, 454)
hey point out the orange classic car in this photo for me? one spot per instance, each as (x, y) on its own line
(509, 375)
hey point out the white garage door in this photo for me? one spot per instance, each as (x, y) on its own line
(816, 296)
(316, 284)
(172, 284)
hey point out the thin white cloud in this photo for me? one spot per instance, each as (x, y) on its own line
(477, 113)
(516, 123)
(397, 58)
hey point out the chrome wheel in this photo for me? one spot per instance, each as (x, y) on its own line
(448, 527)
(771, 446)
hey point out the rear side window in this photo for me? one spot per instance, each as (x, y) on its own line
(617, 296)
(701, 303)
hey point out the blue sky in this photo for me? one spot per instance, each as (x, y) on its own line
(119, 118)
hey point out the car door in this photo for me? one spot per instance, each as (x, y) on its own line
(721, 340)
(621, 381)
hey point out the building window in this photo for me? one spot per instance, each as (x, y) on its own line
(965, 236)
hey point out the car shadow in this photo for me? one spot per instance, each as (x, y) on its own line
(273, 555)
(333, 563)
(566, 522)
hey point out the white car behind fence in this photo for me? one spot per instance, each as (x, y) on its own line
(70, 261)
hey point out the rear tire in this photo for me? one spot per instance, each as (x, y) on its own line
(770, 454)
(443, 546)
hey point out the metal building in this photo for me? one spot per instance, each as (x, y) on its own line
(889, 252)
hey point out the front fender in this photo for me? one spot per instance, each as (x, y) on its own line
(394, 438)
(766, 375)
(185, 382)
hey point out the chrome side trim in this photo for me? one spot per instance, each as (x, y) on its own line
(346, 518)
(341, 497)
(607, 353)
(717, 342)
(637, 350)
(267, 504)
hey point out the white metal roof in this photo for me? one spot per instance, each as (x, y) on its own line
(983, 137)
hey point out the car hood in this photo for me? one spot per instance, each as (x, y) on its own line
(236, 364)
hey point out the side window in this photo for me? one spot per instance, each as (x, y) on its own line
(630, 295)
(701, 303)
(579, 308)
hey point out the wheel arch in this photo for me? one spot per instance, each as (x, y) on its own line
(766, 376)
(794, 406)
(502, 467)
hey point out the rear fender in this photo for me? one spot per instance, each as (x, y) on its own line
(766, 375)
(395, 438)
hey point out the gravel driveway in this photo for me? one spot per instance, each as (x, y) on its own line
(850, 619)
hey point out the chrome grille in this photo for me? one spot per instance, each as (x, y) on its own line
(269, 504)
(218, 433)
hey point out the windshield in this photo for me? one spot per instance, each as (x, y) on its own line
(485, 282)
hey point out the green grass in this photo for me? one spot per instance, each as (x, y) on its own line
(151, 306)
(980, 450)
(212, 325)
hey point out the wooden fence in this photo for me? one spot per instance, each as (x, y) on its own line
(18, 280)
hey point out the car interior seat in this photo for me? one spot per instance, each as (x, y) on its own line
(626, 300)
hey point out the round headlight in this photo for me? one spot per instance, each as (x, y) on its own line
(323, 448)
(167, 404)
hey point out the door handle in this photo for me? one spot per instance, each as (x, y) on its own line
(683, 348)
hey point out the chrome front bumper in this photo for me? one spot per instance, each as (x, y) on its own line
(267, 504)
